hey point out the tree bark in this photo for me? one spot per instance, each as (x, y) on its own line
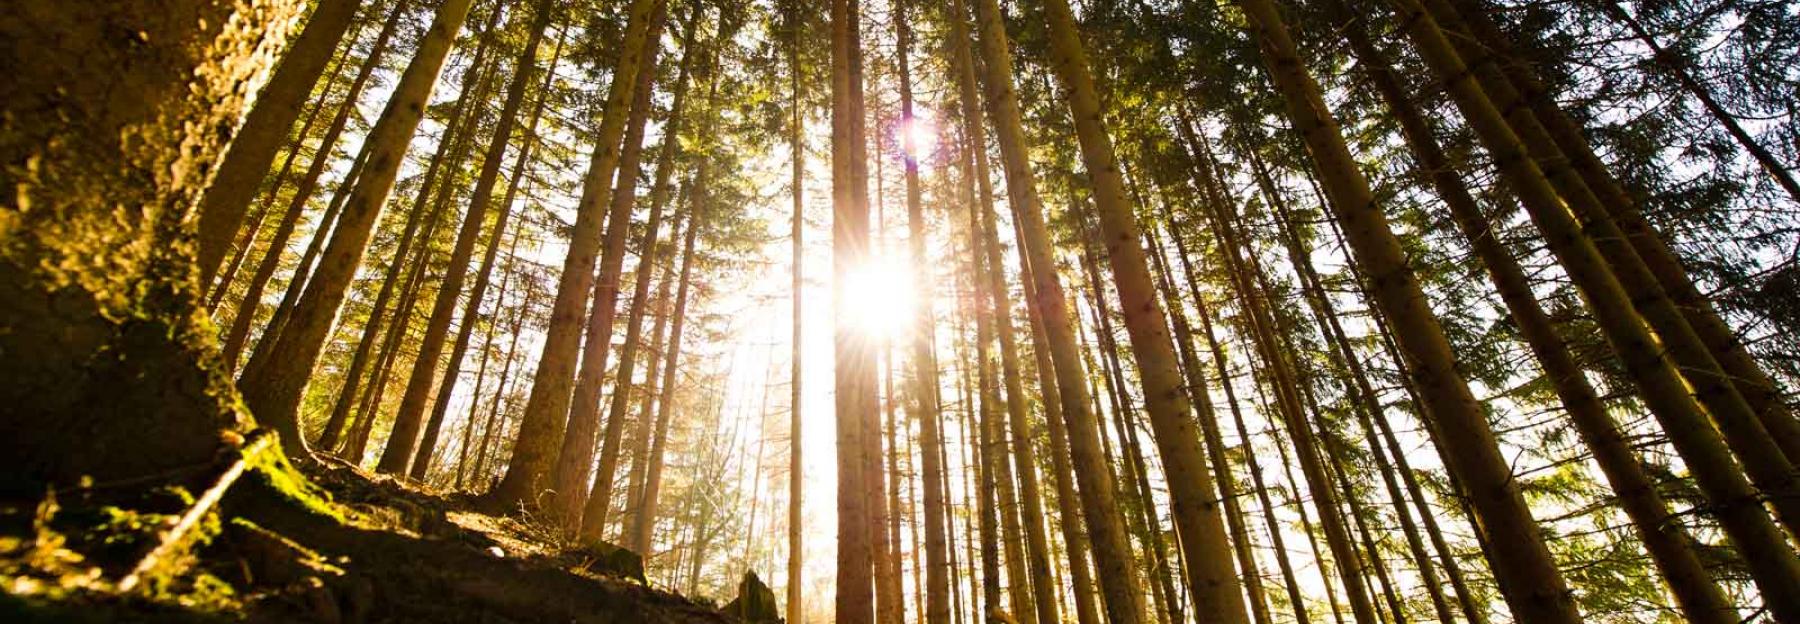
(1704, 346)
(277, 375)
(936, 606)
(1118, 578)
(796, 563)
(110, 140)
(1524, 569)
(854, 354)
(575, 464)
(541, 428)
(247, 160)
(1700, 598)
(1659, 361)
(237, 336)
(593, 522)
(453, 368)
(646, 518)
(404, 442)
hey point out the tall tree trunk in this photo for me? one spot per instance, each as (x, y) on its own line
(1617, 298)
(1237, 415)
(247, 160)
(648, 401)
(795, 607)
(645, 523)
(276, 376)
(1705, 332)
(496, 420)
(1206, 413)
(985, 243)
(1068, 504)
(936, 606)
(575, 464)
(1524, 569)
(404, 442)
(1112, 555)
(238, 334)
(521, 163)
(487, 344)
(598, 502)
(1358, 387)
(1693, 586)
(854, 353)
(450, 149)
(1196, 512)
(1000, 475)
(890, 597)
(1280, 366)
(1136, 477)
(1035, 573)
(303, 269)
(1763, 436)
(541, 428)
(400, 328)
(247, 240)
(646, 418)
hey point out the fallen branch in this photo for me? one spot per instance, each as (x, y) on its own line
(169, 539)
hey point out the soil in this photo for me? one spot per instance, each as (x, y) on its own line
(341, 545)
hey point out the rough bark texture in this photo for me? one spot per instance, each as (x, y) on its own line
(112, 119)
(1524, 568)
(276, 376)
(541, 429)
(1119, 580)
(264, 130)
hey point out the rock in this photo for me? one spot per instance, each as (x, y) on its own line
(755, 602)
(614, 560)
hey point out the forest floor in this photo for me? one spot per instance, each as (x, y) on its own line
(340, 546)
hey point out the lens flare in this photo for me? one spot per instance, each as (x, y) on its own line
(918, 136)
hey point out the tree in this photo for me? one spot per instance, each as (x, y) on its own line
(1111, 554)
(541, 428)
(100, 289)
(1527, 575)
(247, 160)
(279, 370)
(853, 354)
(405, 442)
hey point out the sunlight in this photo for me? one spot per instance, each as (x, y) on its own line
(918, 136)
(880, 297)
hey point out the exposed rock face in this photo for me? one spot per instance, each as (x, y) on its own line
(113, 116)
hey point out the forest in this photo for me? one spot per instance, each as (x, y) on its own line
(885, 311)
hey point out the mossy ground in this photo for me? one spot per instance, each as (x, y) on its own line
(336, 545)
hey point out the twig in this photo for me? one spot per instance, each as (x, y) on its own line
(168, 539)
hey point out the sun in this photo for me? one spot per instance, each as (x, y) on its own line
(879, 297)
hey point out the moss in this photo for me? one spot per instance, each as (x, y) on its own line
(271, 469)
